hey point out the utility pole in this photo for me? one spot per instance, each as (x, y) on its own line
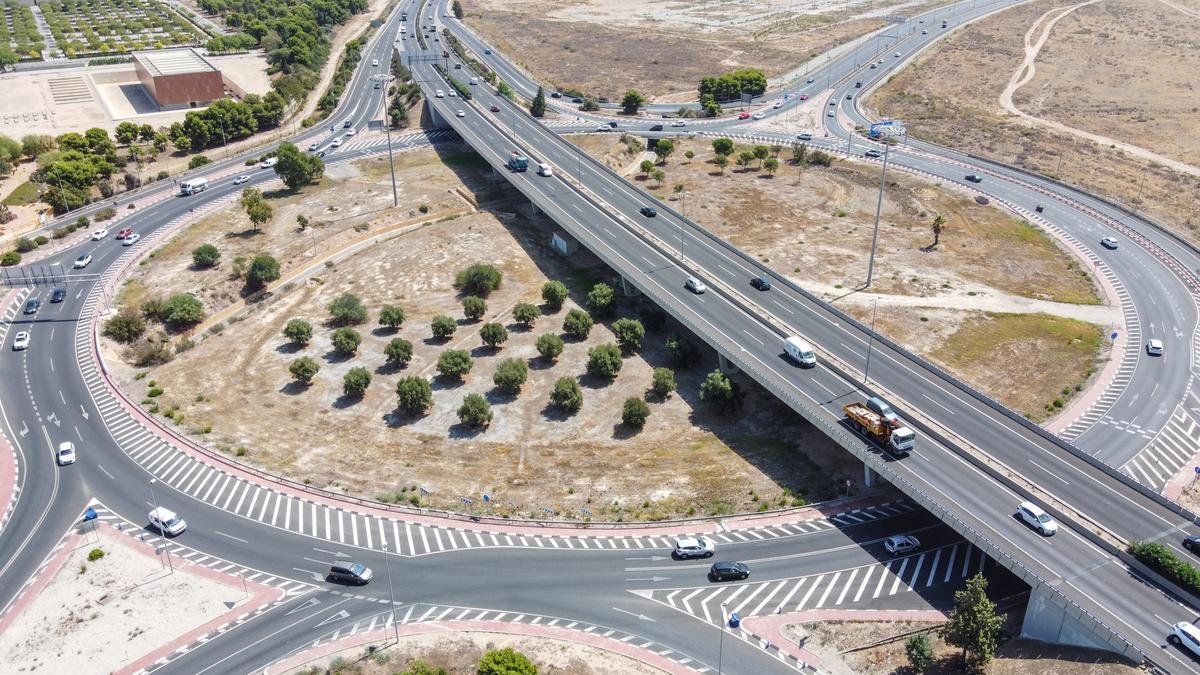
(387, 127)
(870, 338)
(158, 513)
(391, 590)
(878, 208)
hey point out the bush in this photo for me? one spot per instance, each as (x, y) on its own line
(601, 300)
(25, 245)
(356, 381)
(413, 395)
(303, 370)
(95, 554)
(920, 652)
(635, 412)
(720, 392)
(347, 310)
(391, 316)
(153, 308)
(80, 223)
(182, 310)
(478, 279)
(10, 258)
(474, 307)
(443, 326)
(198, 161)
(629, 334)
(263, 270)
(577, 324)
(398, 352)
(506, 661)
(604, 361)
(682, 351)
(549, 346)
(346, 341)
(663, 382)
(125, 327)
(554, 294)
(454, 364)
(41, 240)
(475, 411)
(493, 334)
(567, 395)
(206, 255)
(510, 375)
(526, 313)
(106, 213)
(1162, 559)
(298, 331)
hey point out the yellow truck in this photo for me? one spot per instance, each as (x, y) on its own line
(897, 440)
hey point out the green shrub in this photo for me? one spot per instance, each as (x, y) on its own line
(474, 307)
(577, 324)
(25, 245)
(454, 364)
(398, 352)
(443, 327)
(413, 395)
(663, 382)
(263, 270)
(126, 326)
(95, 554)
(526, 313)
(601, 300)
(634, 412)
(510, 375)
(298, 331)
(629, 333)
(346, 341)
(506, 661)
(303, 370)
(1163, 560)
(355, 382)
(604, 361)
(206, 255)
(493, 334)
(347, 310)
(549, 346)
(391, 316)
(554, 294)
(478, 279)
(475, 411)
(10, 258)
(182, 310)
(567, 395)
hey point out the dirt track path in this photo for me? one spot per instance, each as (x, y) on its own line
(1028, 68)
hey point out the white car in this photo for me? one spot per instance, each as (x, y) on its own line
(351, 132)
(695, 285)
(241, 179)
(83, 261)
(99, 234)
(1109, 243)
(1038, 519)
(337, 143)
(313, 147)
(131, 239)
(1187, 635)
(898, 544)
(65, 454)
(1154, 347)
(374, 62)
(897, 54)
(167, 522)
(830, 114)
(759, 115)
(778, 105)
(693, 547)
(679, 123)
(460, 113)
(804, 136)
(453, 94)
(21, 341)
(439, 93)
(268, 162)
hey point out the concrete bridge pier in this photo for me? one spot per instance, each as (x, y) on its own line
(870, 478)
(628, 289)
(1049, 618)
(435, 118)
(725, 365)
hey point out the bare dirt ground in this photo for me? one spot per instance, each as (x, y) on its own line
(1015, 657)
(964, 304)
(1115, 68)
(102, 615)
(688, 460)
(459, 653)
(665, 48)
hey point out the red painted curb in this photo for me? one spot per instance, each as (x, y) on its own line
(645, 656)
(9, 469)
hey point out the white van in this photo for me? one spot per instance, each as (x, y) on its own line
(545, 170)
(167, 522)
(375, 62)
(474, 80)
(800, 351)
(193, 185)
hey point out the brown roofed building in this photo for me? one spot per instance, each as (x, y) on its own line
(178, 78)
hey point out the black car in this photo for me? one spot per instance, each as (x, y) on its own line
(1192, 543)
(555, 94)
(495, 108)
(973, 178)
(724, 571)
(458, 66)
(761, 283)
(858, 85)
(576, 100)
(58, 295)
(647, 211)
(656, 127)
(33, 305)
(872, 153)
(612, 125)
(350, 573)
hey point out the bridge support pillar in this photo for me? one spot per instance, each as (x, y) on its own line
(436, 119)
(1050, 619)
(725, 365)
(870, 478)
(628, 289)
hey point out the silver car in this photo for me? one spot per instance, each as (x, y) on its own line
(693, 547)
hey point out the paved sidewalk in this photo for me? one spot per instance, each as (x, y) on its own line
(385, 635)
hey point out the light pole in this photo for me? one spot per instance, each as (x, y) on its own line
(387, 127)
(391, 591)
(870, 338)
(158, 513)
(879, 202)
(721, 648)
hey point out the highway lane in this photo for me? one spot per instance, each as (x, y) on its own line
(992, 430)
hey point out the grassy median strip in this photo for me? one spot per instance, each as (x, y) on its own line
(1163, 560)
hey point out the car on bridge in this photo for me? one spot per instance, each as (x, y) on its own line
(337, 143)
(99, 234)
(899, 544)
(693, 547)
(33, 305)
(350, 573)
(1192, 542)
(761, 283)
(695, 285)
(804, 136)
(65, 454)
(460, 113)
(21, 341)
(727, 570)
(803, 97)
(1154, 347)
(313, 147)
(679, 123)
(778, 105)
(439, 94)
(495, 108)
(648, 211)
(1109, 243)
(1186, 635)
(1035, 517)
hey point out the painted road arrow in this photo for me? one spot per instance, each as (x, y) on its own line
(654, 579)
(82, 411)
(643, 617)
(653, 557)
(342, 614)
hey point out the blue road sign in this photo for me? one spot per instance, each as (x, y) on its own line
(1113, 335)
(487, 498)
(90, 514)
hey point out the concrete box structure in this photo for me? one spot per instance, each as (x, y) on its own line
(178, 78)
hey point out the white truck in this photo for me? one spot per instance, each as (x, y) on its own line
(800, 351)
(193, 185)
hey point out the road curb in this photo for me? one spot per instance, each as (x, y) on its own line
(10, 473)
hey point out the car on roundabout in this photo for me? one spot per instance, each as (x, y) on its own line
(21, 341)
(728, 571)
(350, 573)
(65, 454)
(693, 547)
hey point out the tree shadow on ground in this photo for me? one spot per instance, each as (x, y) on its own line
(293, 388)
(462, 430)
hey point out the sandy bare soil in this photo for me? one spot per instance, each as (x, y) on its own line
(965, 304)
(1015, 657)
(662, 49)
(100, 616)
(459, 653)
(688, 460)
(1110, 68)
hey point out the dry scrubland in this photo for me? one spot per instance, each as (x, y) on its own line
(1126, 69)
(1015, 657)
(687, 460)
(660, 49)
(814, 225)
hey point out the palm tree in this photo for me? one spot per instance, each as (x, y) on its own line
(938, 226)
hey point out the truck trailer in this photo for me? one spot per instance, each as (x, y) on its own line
(517, 161)
(895, 440)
